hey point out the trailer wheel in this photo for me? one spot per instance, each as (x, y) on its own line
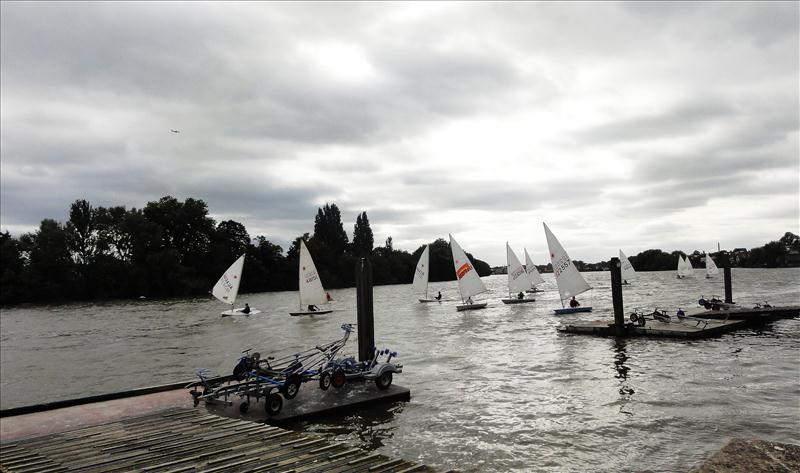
(273, 404)
(244, 407)
(384, 380)
(338, 379)
(325, 380)
(292, 386)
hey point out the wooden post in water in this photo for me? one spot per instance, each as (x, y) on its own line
(616, 296)
(366, 320)
(726, 270)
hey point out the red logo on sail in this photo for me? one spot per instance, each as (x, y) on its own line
(463, 270)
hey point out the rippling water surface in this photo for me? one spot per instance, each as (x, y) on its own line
(492, 390)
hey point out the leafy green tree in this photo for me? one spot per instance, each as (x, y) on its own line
(329, 231)
(50, 266)
(362, 236)
(11, 267)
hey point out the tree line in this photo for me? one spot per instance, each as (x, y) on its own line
(171, 248)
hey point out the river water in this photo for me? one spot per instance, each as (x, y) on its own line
(492, 390)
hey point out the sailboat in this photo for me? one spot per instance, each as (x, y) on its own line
(569, 280)
(469, 283)
(227, 288)
(681, 267)
(687, 267)
(311, 291)
(518, 280)
(627, 268)
(711, 267)
(421, 275)
(533, 273)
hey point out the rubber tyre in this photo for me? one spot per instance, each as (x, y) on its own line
(291, 387)
(338, 379)
(273, 404)
(384, 381)
(325, 380)
(244, 407)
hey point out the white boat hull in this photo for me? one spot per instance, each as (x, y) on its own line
(517, 301)
(229, 313)
(310, 312)
(479, 305)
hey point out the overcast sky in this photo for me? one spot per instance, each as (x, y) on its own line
(621, 125)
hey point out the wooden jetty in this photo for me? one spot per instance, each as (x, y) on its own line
(655, 328)
(187, 439)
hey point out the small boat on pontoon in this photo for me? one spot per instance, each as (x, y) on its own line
(569, 280)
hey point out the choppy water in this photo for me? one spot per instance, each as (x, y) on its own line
(492, 390)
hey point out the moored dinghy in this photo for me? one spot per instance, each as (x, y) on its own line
(421, 275)
(469, 283)
(227, 288)
(310, 286)
(627, 268)
(569, 280)
(518, 280)
(533, 273)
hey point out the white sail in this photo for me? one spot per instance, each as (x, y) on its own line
(311, 291)
(627, 268)
(681, 271)
(687, 267)
(227, 288)
(569, 280)
(518, 280)
(533, 273)
(469, 283)
(711, 267)
(421, 273)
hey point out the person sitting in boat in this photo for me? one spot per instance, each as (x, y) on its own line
(469, 300)
(328, 297)
(312, 308)
(624, 281)
(246, 309)
(439, 296)
(681, 314)
(521, 295)
(574, 303)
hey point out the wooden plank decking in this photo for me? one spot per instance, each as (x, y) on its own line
(186, 439)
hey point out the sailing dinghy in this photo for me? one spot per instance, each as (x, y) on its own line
(227, 288)
(469, 283)
(627, 268)
(421, 275)
(533, 273)
(518, 280)
(311, 291)
(711, 267)
(569, 280)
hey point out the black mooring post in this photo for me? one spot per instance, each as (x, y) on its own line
(616, 296)
(366, 320)
(726, 270)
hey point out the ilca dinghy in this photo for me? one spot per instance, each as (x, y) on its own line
(421, 276)
(533, 273)
(628, 273)
(227, 288)
(469, 283)
(711, 267)
(569, 280)
(312, 294)
(518, 280)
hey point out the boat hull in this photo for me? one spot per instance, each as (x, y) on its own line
(230, 313)
(480, 305)
(572, 310)
(430, 300)
(310, 312)
(517, 301)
